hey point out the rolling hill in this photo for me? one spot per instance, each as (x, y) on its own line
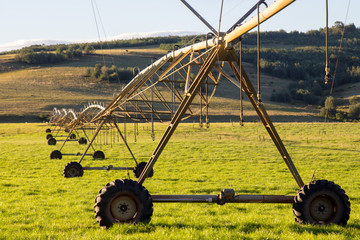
(29, 92)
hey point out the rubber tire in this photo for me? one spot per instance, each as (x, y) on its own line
(56, 154)
(51, 141)
(122, 188)
(49, 136)
(73, 169)
(139, 168)
(48, 130)
(82, 141)
(321, 194)
(99, 155)
(72, 136)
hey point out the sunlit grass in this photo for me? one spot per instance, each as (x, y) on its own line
(37, 202)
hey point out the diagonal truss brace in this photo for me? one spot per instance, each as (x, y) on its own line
(249, 90)
(187, 100)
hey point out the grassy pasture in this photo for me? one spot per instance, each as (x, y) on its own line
(31, 91)
(38, 203)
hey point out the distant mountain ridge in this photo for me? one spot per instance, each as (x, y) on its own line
(124, 36)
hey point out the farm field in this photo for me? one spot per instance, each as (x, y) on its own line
(37, 202)
(29, 93)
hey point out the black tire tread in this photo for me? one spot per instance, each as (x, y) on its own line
(139, 168)
(70, 165)
(313, 187)
(56, 154)
(106, 194)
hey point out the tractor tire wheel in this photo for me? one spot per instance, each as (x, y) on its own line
(123, 201)
(82, 141)
(48, 130)
(49, 136)
(73, 169)
(139, 168)
(67, 130)
(98, 155)
(56, 154)
(321, 202)
(73, 136)
(51, 141)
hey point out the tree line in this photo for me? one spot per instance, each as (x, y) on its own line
(297, 56)
(113, 74)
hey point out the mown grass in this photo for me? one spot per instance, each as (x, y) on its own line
(37, 202)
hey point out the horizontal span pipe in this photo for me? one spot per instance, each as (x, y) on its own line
(75, 154)
(108, 168)
(270, 11)
(215, 199)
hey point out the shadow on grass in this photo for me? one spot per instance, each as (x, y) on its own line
(316, 230)
(246, 227)
(357, 226)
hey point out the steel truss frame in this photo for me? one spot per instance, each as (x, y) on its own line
(221, 54)
(126, 201)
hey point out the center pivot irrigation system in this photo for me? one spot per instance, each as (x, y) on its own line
(152, 96)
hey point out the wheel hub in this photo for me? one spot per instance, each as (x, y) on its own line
(123, 208)
(322, 209)
(73, 172)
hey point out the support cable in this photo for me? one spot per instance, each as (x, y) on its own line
(327, 68)
(221, 10)
(339, 50)
(340, 46)
(97, 29)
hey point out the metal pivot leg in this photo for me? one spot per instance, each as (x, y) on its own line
(93, 139)
(125, 142)
(185, 103)
(265, 119)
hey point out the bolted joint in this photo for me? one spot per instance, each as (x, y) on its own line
(225, 195)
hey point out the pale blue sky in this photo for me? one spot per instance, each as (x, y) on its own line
(73, 20)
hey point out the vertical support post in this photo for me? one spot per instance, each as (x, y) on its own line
(188, 76)
(125, 122)
(152, 112)
(207, 103)
(241, 86)
(201, 108)
(258, 53)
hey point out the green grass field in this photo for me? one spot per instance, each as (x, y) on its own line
(37, 202)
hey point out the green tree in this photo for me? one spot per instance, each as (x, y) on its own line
(330, 106)
(89, 49)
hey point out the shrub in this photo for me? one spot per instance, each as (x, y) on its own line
(354, 111)
(339, 116)
(112, 74)
(353, 100)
